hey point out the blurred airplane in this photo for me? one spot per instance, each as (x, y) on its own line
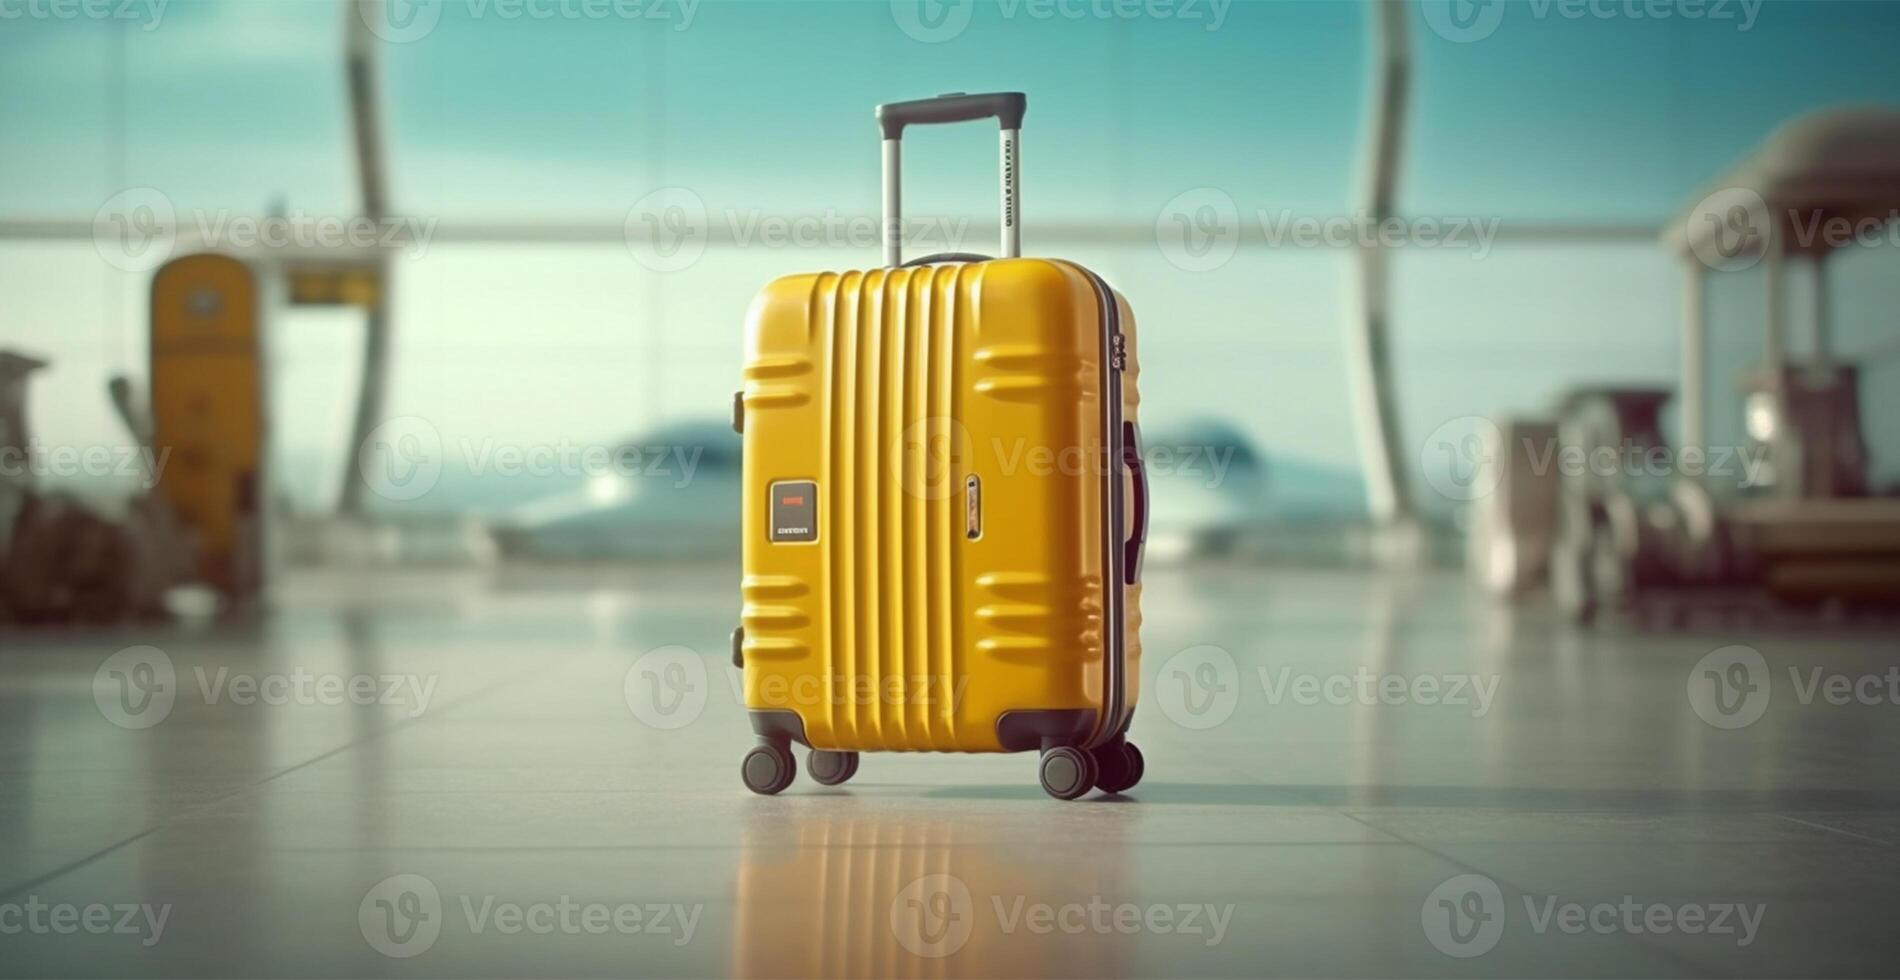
(669, 493)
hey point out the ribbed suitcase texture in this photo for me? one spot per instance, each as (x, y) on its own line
(945, 563)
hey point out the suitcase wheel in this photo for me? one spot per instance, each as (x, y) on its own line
(1067, 772)
(831, 768)
(768, 768)
(1119, 767)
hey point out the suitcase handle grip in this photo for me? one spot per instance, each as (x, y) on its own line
(1006, 108)
(1138, 524)
(942, 257)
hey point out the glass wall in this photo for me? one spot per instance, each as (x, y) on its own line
(1176, 148)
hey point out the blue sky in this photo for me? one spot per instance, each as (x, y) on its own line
(765, 107)
(1548, 116)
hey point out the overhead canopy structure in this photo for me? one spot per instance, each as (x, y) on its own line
(1788, 198)
(1827, 165)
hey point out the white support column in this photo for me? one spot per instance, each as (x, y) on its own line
(1823, 325)
(1695, 354)
(360, 68)
(1368, 338)
(1775, 288)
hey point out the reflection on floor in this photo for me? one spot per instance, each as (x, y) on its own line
(1348, 775)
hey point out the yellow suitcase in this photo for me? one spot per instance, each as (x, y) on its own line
(208, 413)
(944, 505)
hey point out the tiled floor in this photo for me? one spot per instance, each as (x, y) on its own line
(503, 809)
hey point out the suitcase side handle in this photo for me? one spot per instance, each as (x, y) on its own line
(1138, 523)
(1006, 108)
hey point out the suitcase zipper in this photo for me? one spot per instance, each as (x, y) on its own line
(1114, 348)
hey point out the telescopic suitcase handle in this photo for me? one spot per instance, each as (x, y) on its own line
(1006, 108)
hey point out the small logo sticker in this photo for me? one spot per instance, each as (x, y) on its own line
(794, 511)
